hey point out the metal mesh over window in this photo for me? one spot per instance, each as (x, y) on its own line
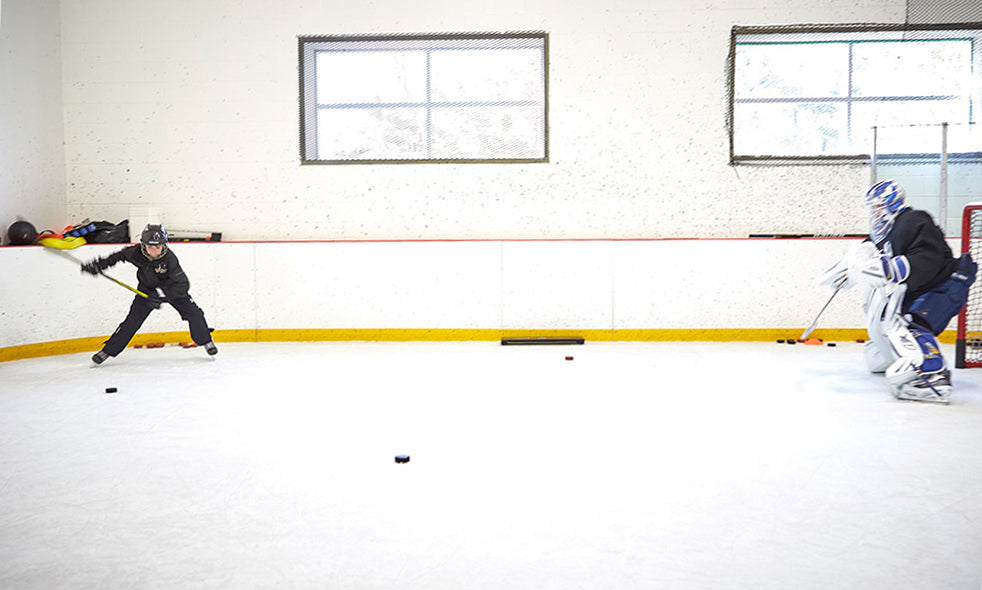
(817, 91)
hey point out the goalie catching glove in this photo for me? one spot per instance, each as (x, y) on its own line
(865, 265)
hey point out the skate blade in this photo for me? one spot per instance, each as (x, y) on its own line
(932, 399)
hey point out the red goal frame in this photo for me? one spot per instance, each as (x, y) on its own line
(960, 343)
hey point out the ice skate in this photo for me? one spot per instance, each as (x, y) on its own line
(211, 349)
(99, 358)
(921, 389)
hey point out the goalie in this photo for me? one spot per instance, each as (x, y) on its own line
(915, 286)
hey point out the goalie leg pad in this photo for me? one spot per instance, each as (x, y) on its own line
(920, 377)
(878, 351)
(877, 361)
(907, 383)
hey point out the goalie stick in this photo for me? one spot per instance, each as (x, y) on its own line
(811, 327)
(54, 245)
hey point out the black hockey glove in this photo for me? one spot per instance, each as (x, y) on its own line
(92, 267)
(156, 297)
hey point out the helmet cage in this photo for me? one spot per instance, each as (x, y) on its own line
(884, 202)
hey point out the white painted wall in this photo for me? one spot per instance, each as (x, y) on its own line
(32, 157)
(620, 285)
(192, 107)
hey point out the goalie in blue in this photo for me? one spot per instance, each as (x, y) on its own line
(915, 286)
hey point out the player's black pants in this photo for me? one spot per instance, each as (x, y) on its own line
(141, 308)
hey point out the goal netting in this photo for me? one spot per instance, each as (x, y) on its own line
(968, 347)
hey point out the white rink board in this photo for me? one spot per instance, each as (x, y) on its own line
(556, 285)
(680, 284)
(407, 285)
(440, 285)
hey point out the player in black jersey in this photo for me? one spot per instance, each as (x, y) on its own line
(160, 278)
(915, 287)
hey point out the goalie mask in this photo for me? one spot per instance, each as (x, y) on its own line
(884, 201)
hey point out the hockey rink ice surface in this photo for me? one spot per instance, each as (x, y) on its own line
(632, 466)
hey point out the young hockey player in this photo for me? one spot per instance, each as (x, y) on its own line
(161, 278)
(915, 287)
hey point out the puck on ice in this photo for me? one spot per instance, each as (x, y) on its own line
(569, 358)
(402, 458)
(110, 390)
(830, 344)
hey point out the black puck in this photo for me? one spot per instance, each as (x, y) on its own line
(402, 458)
(831, 344)
(110, 390)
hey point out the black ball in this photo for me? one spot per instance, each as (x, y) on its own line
(22, 233)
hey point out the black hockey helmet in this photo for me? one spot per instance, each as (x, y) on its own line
(154, 235)
(21, 233)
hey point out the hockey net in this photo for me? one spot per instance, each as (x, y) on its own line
(968, 346)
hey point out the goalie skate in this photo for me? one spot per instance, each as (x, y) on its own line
(920, 390)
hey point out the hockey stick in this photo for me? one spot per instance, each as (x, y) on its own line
(70, 257)
(811, 327)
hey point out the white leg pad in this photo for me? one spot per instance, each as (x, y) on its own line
(902, 371)
(876, 360)
(878, 351)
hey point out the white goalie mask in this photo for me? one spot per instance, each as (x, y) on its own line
(884, 202)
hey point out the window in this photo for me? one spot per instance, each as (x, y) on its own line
(424, 98)
(813, 93)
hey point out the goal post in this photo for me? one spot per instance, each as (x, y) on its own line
(968, 343)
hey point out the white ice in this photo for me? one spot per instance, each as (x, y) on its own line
(633, 466)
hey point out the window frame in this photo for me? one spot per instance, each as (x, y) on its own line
(307, 95)
(855, 33)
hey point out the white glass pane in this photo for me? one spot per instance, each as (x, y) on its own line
(912, 68)
(399, 90)
(908, 139)
(488, 132)
(487, 75)
(909, 112)
(964, 138)
(791, 69)
(371, 134)
(807, 129)
(353, 77)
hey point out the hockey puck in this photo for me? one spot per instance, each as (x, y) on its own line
(791, 341)
(110, 390)
(831, 344)
(569, 358)
(402, 458)
(780, 341)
